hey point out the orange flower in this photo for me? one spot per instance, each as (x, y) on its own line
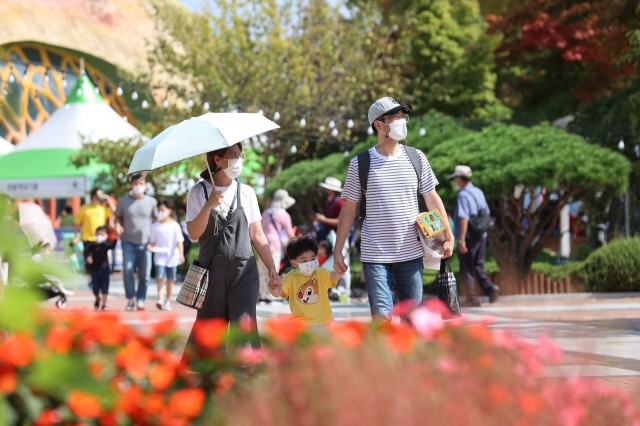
(8, 379)
(154, 403)
(349, 333)
(484, 361)
(497, 394)
(226, 382)
(18, 350)
(187, 402)
(96, 367)
(480, 332)
(401, 338)
(84, 405)
(530, 404)
(59, 339)
(162, 376)
(135, 359)
(285, 330)
(210, 333)
(164, 327)
(129, 400)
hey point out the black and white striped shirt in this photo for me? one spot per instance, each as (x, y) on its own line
(389, 232)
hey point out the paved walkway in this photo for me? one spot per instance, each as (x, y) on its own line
(599, 333)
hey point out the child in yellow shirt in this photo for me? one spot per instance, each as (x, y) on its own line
(307, 285)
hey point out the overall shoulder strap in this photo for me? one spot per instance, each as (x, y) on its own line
(204, 188)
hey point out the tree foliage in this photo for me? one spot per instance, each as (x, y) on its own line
(299, 59)
(528, 176)
(555, 55)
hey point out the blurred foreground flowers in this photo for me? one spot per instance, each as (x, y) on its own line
(85, 368)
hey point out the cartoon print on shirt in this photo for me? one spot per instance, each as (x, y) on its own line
(308, 292)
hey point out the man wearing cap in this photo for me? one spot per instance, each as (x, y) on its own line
(471, 245)
(391, 251)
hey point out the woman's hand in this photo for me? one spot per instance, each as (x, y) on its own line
(215, 200)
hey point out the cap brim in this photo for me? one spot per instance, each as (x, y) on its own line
(453, 175)
(330, 187)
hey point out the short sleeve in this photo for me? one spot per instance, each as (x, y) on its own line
(153, 238)
(178, 231)
(119, 212)
(79, 217)
(195, 202)
(286, 285)
(352, 190)
(464, 209)
(107, 213)
(253, 213)
(324, 277)
(428, 180)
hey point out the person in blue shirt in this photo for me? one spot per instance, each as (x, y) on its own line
(471, 244)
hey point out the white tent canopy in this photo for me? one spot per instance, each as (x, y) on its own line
(5, 146)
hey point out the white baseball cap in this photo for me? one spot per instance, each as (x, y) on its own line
(462, 171)
(386, 106)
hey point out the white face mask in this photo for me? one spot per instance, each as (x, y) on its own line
(235, 168)
(100, 239)
(307, 268)
(138, 189)
(398, 130)
(163, 215)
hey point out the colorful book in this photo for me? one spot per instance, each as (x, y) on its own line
(430, 223)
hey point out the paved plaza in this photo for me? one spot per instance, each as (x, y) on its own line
(599, 333)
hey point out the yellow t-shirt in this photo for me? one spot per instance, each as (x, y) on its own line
(90, 218)
(308, 295)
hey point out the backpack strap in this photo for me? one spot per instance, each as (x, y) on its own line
(204, 188)
(364, 164)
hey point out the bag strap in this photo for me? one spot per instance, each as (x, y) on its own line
(236, 196)
(364, 164)
(444, 265)
(474, 199)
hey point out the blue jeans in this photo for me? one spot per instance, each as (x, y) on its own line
(382, 278)
(136, 257)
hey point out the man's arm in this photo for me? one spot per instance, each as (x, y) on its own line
(434, 202)
(345, 222)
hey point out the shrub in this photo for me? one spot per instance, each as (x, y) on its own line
(614, 267)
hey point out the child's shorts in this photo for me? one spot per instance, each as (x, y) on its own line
(166, 272)
(100, 281)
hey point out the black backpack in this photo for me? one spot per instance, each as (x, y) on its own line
(364, 164)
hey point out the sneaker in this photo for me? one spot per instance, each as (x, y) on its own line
(159, 305)
(167, 305)
(493, 293)
(140, 305)
(333, 295)
(130, 305)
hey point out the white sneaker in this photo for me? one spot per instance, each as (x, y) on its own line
(140, 305)
(167, 305)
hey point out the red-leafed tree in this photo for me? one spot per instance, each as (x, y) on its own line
(556, 54)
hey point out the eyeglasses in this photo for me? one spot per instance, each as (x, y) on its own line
(235, 157)
(396, 117)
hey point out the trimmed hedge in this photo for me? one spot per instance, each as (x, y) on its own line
(614, 267)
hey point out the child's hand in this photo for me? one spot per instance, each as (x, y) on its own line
(90, 260)
(150, 247)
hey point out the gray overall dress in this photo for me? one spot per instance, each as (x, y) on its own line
(233, 273)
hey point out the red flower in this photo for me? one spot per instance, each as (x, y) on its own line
(48, 417)
(18, 350)
(8, 379)
(135, 359)
(187, 402)
(349, 333)
(401, 338)
(84, 405)
(60, 339)
(530, 404)
(226, 382)
(210, 333)
(285, 330)
(162, 376)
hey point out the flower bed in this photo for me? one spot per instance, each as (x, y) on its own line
(77, 368)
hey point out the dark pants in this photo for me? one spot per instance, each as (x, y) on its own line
(472, 266)
(100, 281)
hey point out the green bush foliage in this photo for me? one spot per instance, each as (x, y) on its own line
(614, 267)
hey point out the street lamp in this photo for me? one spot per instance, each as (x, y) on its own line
(627, 223)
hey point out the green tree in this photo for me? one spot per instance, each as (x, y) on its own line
(301, 59)
(514, 164)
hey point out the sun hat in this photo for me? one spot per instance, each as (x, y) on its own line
(384, 106)
(462, 171)
(332, 184)
(282, 200)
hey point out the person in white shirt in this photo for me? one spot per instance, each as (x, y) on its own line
(166, 244)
